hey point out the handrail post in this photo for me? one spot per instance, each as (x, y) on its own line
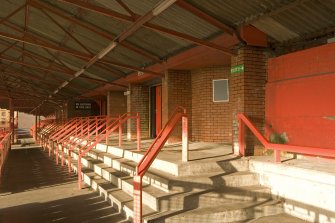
(57, 149)
(277, 155)
(79, 171)
(138, 125)
(184, 138)
(241, 137)
(120, 133)
(96, 127)
(62, 146)
(137, 218)
(107, 121)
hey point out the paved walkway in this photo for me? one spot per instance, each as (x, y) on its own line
(35, 190)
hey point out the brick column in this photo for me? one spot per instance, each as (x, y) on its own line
(138, 101)
(176, 90)
(116, 103)
(248, 94)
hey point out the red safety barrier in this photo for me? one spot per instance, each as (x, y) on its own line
(244, 121)
(109, 128)
(5, 143)
(179, 114)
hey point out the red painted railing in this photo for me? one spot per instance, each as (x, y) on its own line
(109, 128)
(178, 115)
(244, 121)
(4, 149)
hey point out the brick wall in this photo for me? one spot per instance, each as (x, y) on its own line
(177, 91)
(138, 101)
(117, 103)
(211, 121)
(248, 93)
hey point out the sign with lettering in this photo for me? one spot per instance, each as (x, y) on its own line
(83, 105)
(237, 69)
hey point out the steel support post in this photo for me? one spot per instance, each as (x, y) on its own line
(138, 125)
(137, 199)
(185, 139)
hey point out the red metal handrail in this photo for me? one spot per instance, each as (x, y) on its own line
(4, 149)
(315, 151)
(152, 152)
(117, 124)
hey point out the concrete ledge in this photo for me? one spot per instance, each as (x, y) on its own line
(307, 187)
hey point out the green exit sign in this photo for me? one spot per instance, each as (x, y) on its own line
(237, 69)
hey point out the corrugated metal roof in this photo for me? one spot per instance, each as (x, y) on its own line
(282, 20)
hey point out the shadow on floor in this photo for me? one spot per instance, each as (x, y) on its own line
(85, 208)
(29, 169)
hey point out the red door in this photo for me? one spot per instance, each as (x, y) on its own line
(158, 109)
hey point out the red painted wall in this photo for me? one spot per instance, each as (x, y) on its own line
(300, 96)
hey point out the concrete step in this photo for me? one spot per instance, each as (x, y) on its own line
(118, 198)
(225, 164)
(164, 181)
(231, 194)
(230, 212)
(161, 200)
(278, 218)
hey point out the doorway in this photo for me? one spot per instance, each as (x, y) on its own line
(155, 110)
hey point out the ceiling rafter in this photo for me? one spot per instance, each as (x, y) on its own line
(9, 59)
(50, 46)
(76, 53)
(33, 76)
(210, 19)
(47, 69)
(12, 13)
(154, 27)
(94, 29)
(8, 48)
(268, 13)
(66, 31)
(159, 8)
(112, 72)
(31, 54)
(27, 85)
(25, 28)
(125, 7)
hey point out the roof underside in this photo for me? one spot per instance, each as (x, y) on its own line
(44, 43)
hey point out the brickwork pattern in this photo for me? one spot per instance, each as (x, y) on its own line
(248, 92)
(117, 103)
(177, 91)
(138, 101)
(211, 121)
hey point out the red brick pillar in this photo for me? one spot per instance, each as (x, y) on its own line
(138, 101)
(116, 103)
(248, 94)
(176, 91)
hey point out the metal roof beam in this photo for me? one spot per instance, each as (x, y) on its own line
(210, 19)
(74, 53)
(12, 13)
(34, 66)
(253, 18)
(163, 5)
(8, 48)
(154, 27)
(125, 7)
(92, 28)
(67, 32)
(45, 45)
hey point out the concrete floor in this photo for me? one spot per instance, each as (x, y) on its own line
(35, 190)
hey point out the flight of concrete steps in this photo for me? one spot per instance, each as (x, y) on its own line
(222, 190)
